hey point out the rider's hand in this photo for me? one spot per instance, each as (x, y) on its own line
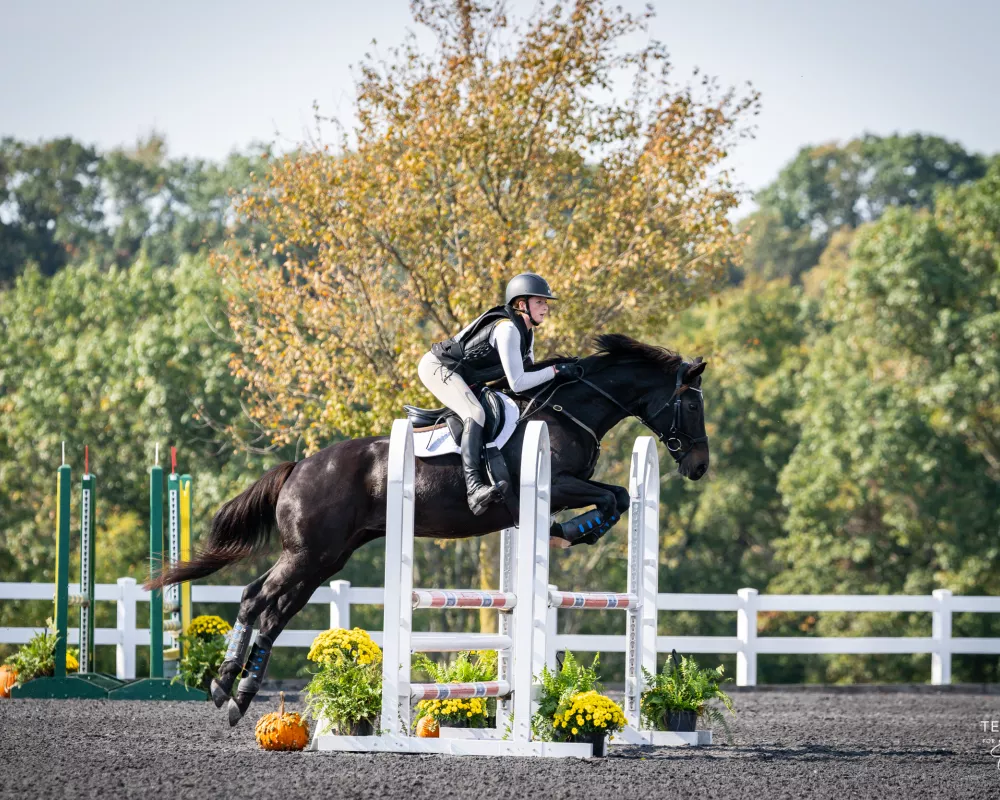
(567, 370)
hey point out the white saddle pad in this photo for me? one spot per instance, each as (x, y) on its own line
(438, 441)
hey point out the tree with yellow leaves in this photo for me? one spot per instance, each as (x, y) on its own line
(507, 149)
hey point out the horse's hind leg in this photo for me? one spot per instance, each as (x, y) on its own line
(232, 664)
(292, 581)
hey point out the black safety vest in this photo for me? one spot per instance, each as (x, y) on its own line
(472, 356)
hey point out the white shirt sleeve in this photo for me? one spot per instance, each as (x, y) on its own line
(508, 343)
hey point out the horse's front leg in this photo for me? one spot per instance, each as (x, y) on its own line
(586, 528)
(622, 498)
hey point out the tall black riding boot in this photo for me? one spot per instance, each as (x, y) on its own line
(481, 494)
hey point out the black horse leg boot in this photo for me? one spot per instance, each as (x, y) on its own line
(481, 494)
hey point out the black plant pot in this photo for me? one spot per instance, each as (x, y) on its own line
(598, 740)
(363, 727)
(681, 721)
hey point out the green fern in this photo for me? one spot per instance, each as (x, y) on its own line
(470, 666)
(684, 686)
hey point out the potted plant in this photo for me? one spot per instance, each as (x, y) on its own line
(346, 690)
(37, 657)
(681, 694)
(589, 717)
(471, 666)
(571, 707)
(204, 646)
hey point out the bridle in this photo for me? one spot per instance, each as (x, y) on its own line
(672, 441)
(676, 440)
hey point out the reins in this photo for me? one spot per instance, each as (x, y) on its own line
(670, 440)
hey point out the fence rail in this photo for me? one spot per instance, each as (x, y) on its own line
(746, 644)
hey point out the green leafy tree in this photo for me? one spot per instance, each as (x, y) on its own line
(49, 204)
(63, 202)
(830, 186)
(116, 360)
(893, 487)
(755, 341)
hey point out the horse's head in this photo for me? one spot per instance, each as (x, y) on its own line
(679, 420)
(662, 390)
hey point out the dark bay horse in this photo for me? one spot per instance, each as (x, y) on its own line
(328, 505)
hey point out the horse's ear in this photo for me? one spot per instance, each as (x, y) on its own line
(696, 370)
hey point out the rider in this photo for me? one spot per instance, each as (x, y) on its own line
(497, 344)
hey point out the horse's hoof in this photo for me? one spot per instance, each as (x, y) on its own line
(219, 695)
(235, 715)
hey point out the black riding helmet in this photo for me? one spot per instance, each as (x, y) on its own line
(527, 284)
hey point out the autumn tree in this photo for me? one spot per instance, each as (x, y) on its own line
(547, 147)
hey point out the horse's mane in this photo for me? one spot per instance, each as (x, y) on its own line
(615, 348)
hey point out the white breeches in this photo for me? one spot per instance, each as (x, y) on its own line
(450, 389)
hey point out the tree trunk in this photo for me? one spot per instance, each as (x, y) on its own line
(489, 577)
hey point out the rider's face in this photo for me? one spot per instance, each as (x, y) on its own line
(538, 309)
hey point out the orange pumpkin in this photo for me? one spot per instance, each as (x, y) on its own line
(428, 728)
(281, 731)
(8, 677)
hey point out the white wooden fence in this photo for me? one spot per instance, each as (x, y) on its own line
(746, 644)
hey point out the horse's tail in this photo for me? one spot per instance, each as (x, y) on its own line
(239, 527)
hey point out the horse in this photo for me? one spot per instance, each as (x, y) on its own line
(331, 503)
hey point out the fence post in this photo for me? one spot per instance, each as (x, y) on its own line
(941, 633)
(746, 632)
(125, 657)
(340, 607)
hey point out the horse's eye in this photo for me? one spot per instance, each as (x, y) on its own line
(693, 406)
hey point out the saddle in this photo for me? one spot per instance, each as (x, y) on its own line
(423, 418)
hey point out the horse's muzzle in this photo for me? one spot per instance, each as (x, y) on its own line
(694, 465)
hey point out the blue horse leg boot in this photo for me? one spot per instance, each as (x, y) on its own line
(588, 527)
(256, 665)
(232, 663)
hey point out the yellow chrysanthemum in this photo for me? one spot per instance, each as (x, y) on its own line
(72, 665)
(590, 711)
(454, 709)
(207, 625)
(337, 643)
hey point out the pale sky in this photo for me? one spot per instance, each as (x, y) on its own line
(214, 76)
